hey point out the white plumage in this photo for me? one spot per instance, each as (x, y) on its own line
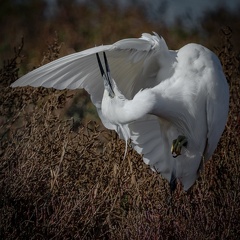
(159, 95)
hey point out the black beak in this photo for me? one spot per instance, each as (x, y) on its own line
(106, 76)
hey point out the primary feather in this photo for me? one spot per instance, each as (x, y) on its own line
(160, 94)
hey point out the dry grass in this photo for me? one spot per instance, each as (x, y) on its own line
(58, 181)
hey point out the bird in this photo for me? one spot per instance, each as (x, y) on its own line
(171, 106)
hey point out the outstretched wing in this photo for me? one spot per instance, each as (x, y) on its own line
(80, 70)
(127, 59)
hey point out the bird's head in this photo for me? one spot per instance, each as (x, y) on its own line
(113, 99)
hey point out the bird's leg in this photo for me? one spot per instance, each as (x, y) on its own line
(172, 185)
(177, 145)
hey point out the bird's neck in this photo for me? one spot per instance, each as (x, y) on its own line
(119, 110)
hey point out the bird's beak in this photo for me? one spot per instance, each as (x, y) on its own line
(106, 76)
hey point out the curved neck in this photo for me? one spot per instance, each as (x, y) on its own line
(119, 110)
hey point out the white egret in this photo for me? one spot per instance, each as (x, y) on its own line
(172, 105)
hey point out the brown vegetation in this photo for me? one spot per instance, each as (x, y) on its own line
(62, 179)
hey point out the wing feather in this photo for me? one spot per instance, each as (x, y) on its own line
(80, 70)
(148, 138)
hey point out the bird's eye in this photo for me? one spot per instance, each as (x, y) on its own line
(121, 97)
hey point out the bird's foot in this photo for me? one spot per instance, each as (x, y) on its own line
(177, 145)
